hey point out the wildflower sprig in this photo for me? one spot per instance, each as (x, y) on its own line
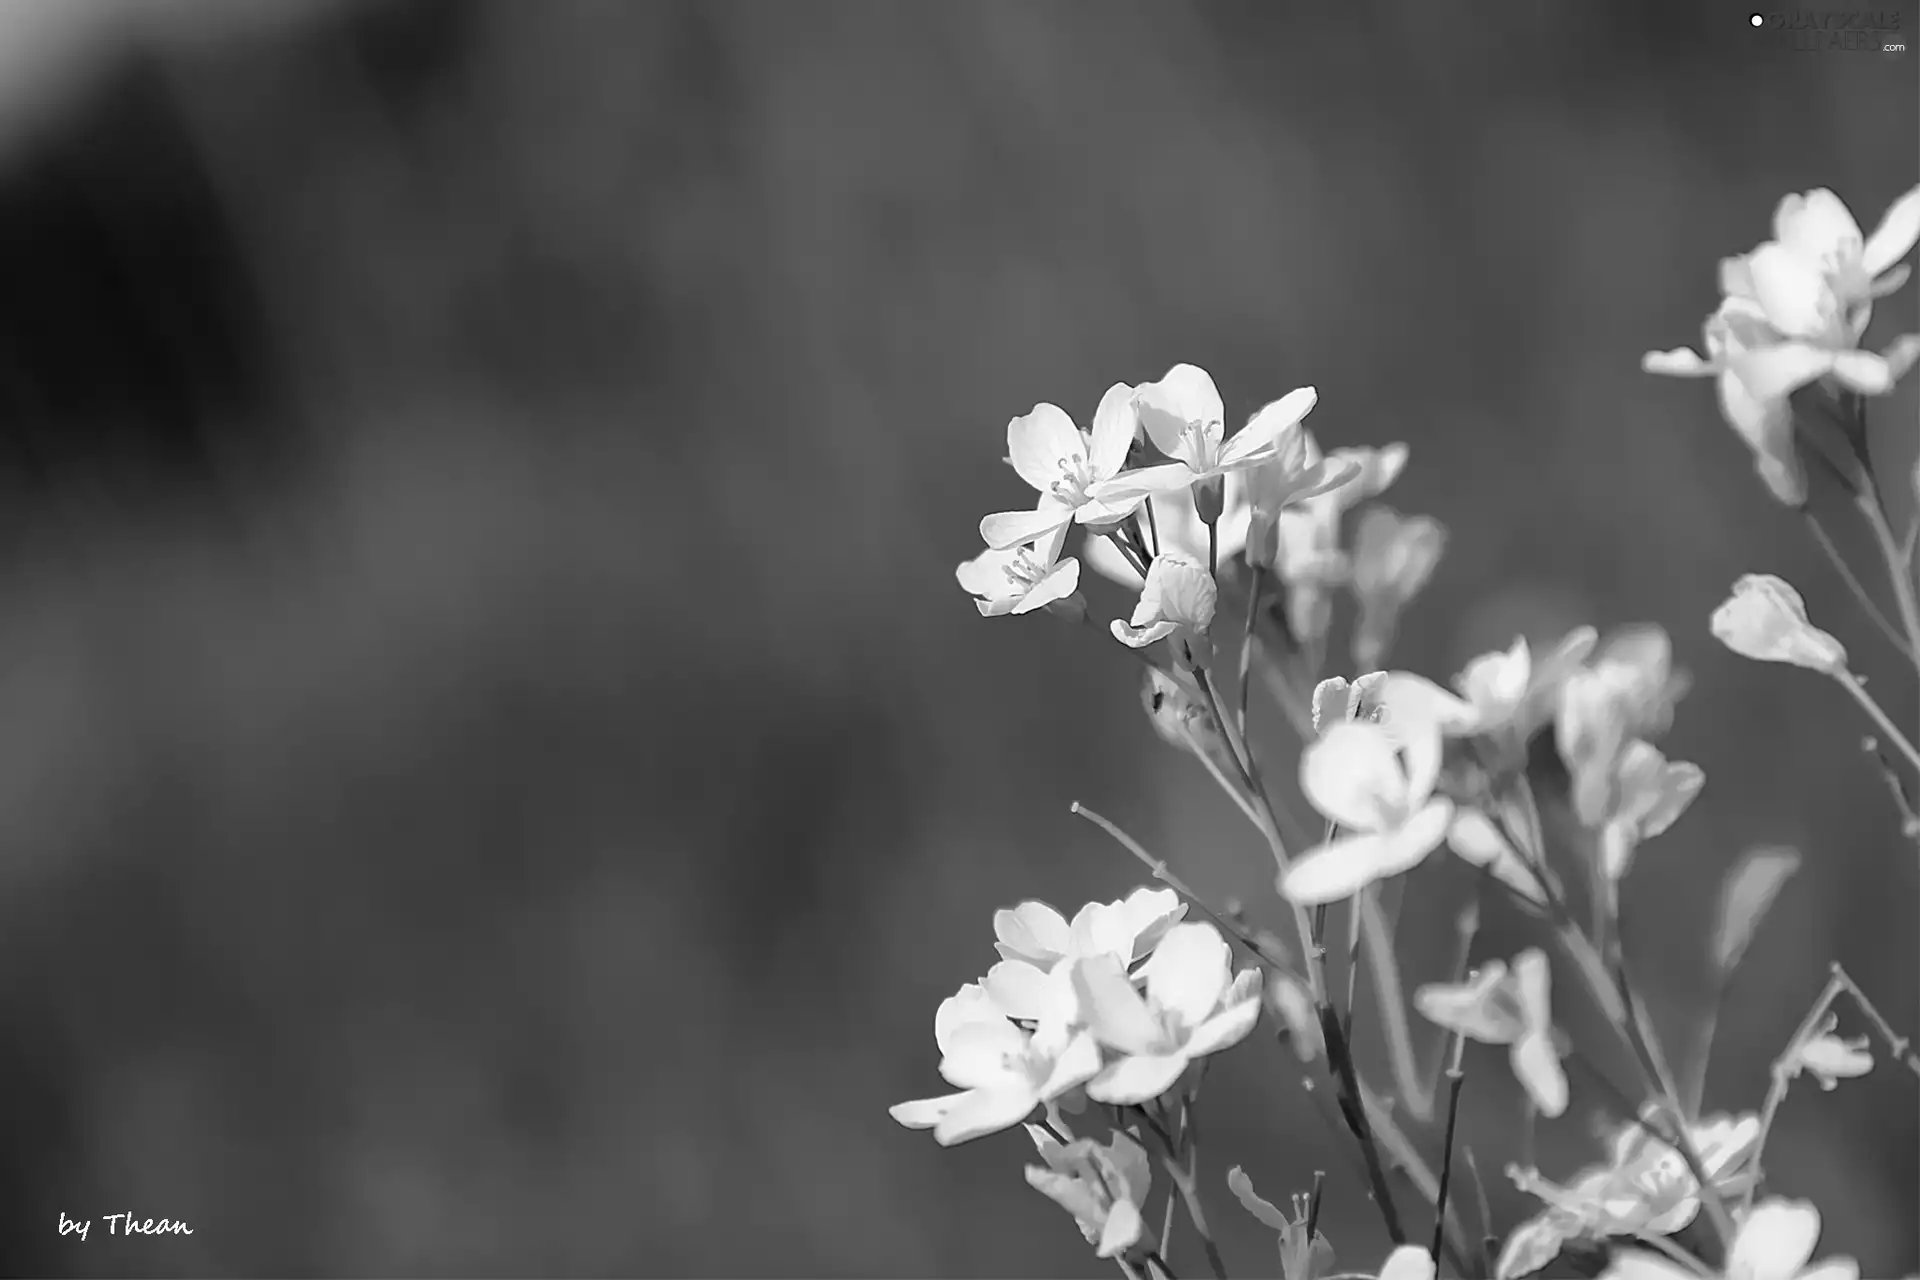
(1240, 551)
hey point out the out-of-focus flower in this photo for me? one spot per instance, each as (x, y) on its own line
(1002, 1071)
(1034, 939)
(1378, 784)
(1307, 554)
(1178, 599)
(1511, 694)
(1644, 1188)
(1831, 1059)
(1766, 620)
(1732, 334)
(1179, 530)
(1817, 278)
(1193, 1006)
(1774, 1241)
(1293, 1005)
(1304, 1255)
(1296, 474)
(1336, 701)
(1477, 838)
(1063, 463)
(1020, 579)
(1649, 795)
(1103, 1187)
(1409, 1262)
(1507, 1007)
(1627, 691)
(1183, 416)
(1393, 558)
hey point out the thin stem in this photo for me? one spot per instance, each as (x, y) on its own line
(1897, 1045)
(1859, 589)
(1384, 964)
(1354, 1112)
(1851, 683)
(1407, 1158)
(1785, 1068)
(1456, 1077)
(1160, 1263)
(1183, 1182)
(1246, 644)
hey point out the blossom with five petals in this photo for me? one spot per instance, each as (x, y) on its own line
(1774, 1241)
(1020, 579)
(1376, 782)
(1497, 1005)
(1002, 1071)
(1063, 462)
(1184, 417)
(1193, 1005)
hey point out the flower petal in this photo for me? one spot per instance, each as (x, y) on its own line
(980, 1053)
(1224, 1029)
(1031, 931)
(1352, 775)
(1145, 482)
(1061, 581)
(1343, 868)
(1776, 1239)
(1078, 1063)
(1189, 971)
(925, 1113)
(1140, 637)
(1019, 988)
(1791, 290)
(969, 1004)
(1004, 529)
(1681, 362)
(1149, 914)
(1113, 1010)
(1816, 227)
(1185, 397)
(1537, 1067)
(1115, 425)
(1136, 1079)
(1263, 430)
(985, 1111)
(1471, 1007)
(1533, 985)
(1039, 443)
(1893, 239)
(1408, 1262)
(1635, 1264)
(1775, 371)
(1122, 1230)
(1864, 371)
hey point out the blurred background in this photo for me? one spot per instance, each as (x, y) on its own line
(495, 770)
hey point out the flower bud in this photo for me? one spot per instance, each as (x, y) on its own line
(1766, 620)
(1179, 596)
(1210, 498)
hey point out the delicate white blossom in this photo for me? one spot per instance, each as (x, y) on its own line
(1393, 558)
(1184, 417)
(1377, 783)
(1179, 598)
(1193, 1005)
(1409, 1262)
(1774, 1241)
(1304, 1254)
(1766, 620)
(1034, 939)
(1063, 462)
(1830, 1058)
(1650, 793)
(1336, 701)
(1002, 1071)
(1020, 579)
(1507, 1007)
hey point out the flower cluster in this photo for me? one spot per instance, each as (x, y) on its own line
(1793, 312)
(1538, 769)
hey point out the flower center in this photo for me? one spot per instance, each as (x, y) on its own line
(1071, 487)
(1023, 571)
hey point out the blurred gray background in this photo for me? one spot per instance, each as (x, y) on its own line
(495, 771)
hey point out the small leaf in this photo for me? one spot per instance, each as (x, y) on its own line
(1745, 899)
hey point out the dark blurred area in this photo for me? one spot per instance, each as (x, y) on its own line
(496, 771)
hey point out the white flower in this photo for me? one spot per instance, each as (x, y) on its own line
(1335, 701)
(1393, 558)
(1034, 939)
(1296, 474)
(1176, 522)
(1734, 336)
(1376, 783)
(1774, 1241)
(1650, 793)
(1409, 1262)
(1293, 1004)
(1512, 695)
(1831, 1058)
(1002, 1071)
(1766, 620)
(1627, 691)
(1179, 597)
(1193, 1006)
(1477, 838)
(1510, 1007)
(1303, 1256)
(1307, 554)
(1644, 1188)
(1103, 1187)
(1020, 579)
(1183, 416)
(1063, 463)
